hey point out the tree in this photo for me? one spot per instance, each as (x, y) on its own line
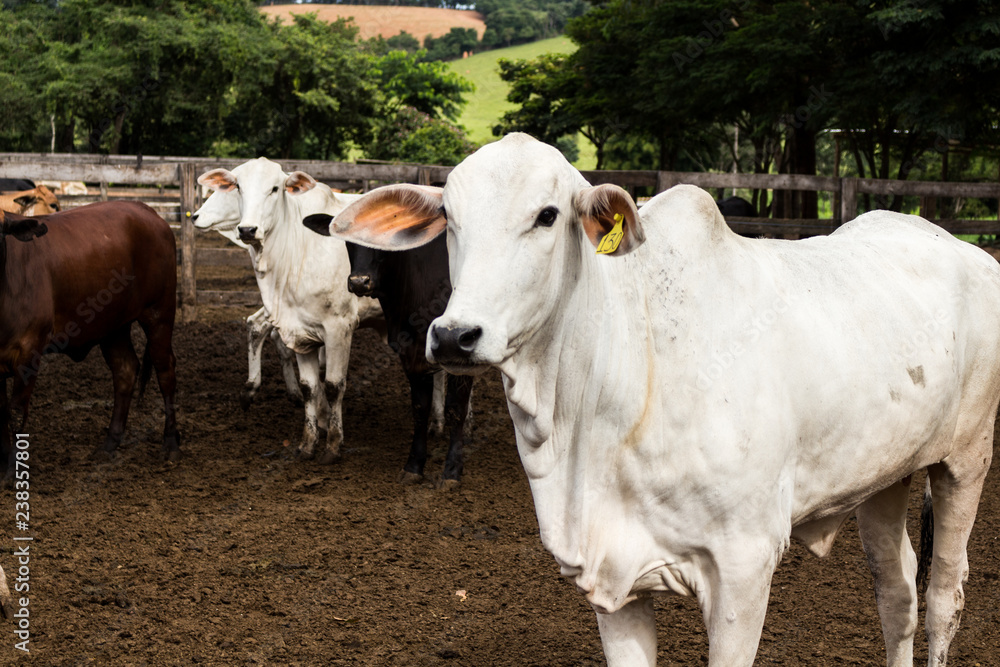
(199, 77)
(406, 80)
(318, 96)
(925, 77)
(404, 41)
(413, 136)
(451, 45)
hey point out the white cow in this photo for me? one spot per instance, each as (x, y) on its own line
(303, 283)
(221, 212)
(686, 406)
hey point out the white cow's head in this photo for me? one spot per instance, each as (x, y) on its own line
(519, 218)
(259, 188)
(221, 212)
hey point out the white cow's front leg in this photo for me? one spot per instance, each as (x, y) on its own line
(734, 601)
(258, 328)
(338, 355)
(287, 357)
(629, 635)
(315, 400)
(882, 526)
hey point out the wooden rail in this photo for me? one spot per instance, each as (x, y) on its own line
(176, 178)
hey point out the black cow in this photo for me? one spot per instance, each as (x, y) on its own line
(413, 288)
(736, 207)
(16, 184)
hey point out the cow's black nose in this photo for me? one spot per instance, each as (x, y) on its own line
(454, 342)
(247, 233)
(360, 284)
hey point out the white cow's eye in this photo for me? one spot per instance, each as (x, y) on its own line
(546, 217)
(274, 189)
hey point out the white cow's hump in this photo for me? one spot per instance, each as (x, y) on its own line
(684, 215)
(876, 223)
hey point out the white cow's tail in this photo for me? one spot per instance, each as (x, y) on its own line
(926, 540)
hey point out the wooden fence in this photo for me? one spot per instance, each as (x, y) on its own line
(177, 195)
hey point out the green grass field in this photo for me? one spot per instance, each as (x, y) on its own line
(489, 101)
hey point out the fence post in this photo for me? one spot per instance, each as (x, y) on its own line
(665, 180)
(928, 207)
(189, 298)
(848, 199)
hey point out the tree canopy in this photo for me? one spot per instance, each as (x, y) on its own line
(669, 84)
(202, 77)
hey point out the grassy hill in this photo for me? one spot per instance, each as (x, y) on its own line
(489, 101)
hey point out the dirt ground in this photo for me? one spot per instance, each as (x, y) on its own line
(241, 555)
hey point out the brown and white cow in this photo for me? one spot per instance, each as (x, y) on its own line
(37, 201)
(74, 280)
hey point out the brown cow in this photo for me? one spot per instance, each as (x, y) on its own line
(85, 277)
(37, 201)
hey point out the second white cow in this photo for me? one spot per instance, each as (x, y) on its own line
(221, 213)
(303, 283)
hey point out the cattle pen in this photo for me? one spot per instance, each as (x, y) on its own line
(241, 553)
(169, 184)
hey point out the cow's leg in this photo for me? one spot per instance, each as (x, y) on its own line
(882, 525)
(20, 400)
(956, 484)
(124, 364)
(335, 355)
(733, 597)
(160, 348)
(338, 356)
(437, 426)
(287, 358)
(629, 635)
(315, 402)
(258, 329)
(6, 433)
(421, 394)
(456, 411)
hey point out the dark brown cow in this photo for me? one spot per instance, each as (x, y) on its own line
(87, 274)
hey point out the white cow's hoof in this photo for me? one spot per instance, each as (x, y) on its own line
(329, 457)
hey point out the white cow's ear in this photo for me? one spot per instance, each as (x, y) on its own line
(299, 182)
(220, 180)
(394, 217)
(598, 208)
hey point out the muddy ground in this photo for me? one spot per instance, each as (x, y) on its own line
(240, 555)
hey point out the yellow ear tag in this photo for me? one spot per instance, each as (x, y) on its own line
(612, 239)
